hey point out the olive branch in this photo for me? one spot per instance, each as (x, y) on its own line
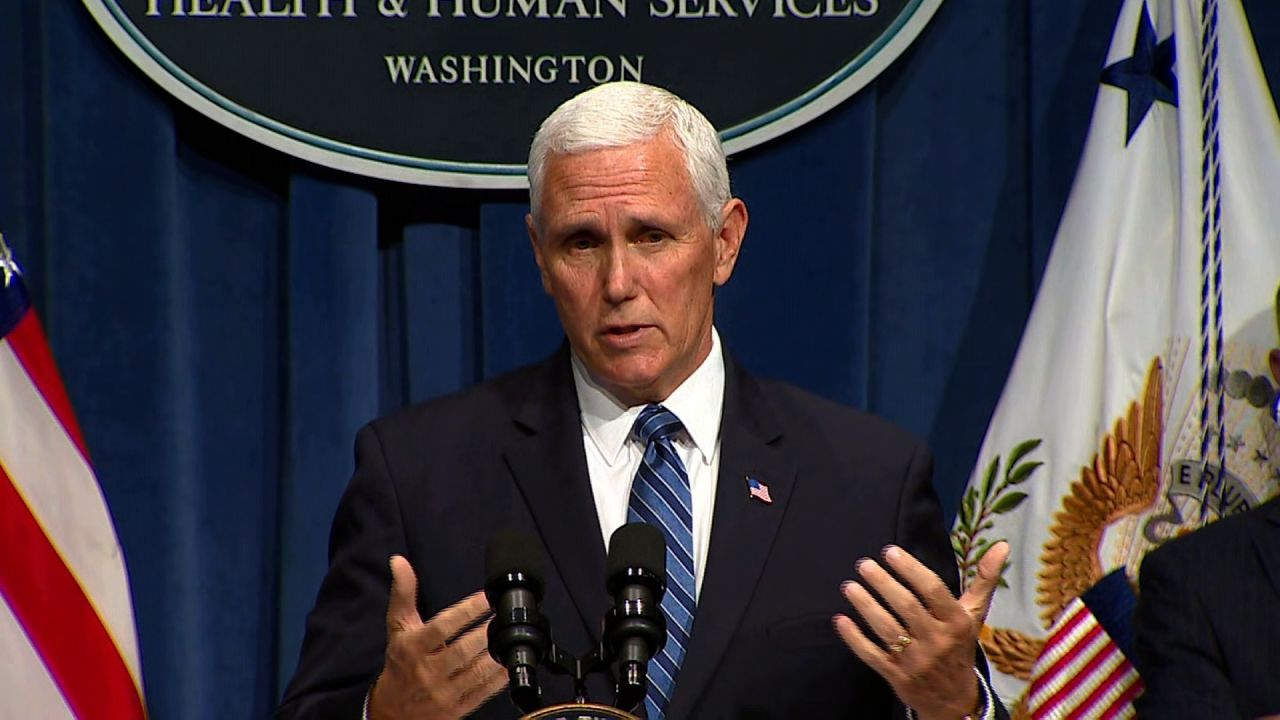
(985, 500)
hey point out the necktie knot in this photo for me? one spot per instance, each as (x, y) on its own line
(656, 423)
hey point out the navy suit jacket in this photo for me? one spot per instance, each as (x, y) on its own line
(1208, 621)
(435, 481)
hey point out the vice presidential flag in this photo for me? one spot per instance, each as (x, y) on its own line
(67, 642)
(1136, 409)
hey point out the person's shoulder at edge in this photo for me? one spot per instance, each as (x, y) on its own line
(1210, 539)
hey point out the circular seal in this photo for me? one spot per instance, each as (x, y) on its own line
(449, 92)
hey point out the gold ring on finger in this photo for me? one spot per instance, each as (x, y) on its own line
(900, 643)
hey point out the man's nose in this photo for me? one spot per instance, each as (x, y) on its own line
(619, 273)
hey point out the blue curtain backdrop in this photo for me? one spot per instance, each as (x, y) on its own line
(225, 317)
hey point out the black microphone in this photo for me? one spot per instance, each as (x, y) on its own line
(635, 629)
(518, 634)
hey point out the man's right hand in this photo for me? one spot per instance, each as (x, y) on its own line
(428, 673)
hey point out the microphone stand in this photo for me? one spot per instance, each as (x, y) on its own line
(563, 663)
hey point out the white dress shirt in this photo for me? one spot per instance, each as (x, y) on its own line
(614, 454)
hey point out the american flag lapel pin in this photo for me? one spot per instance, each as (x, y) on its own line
(758, 490)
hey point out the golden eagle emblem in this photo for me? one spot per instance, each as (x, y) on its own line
(1123, 480)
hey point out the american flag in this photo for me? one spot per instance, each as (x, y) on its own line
(758, 490)
(66, 620)
(1084, 669)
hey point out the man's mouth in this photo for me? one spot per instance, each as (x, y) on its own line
(625, 334)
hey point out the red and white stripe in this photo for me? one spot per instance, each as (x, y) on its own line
(1081, 672)
(68, 648)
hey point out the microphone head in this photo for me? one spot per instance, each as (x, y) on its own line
(512, 558)
(634, 629)
(636, 550)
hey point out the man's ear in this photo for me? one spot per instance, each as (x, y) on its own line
(537, 252)
(733, 228)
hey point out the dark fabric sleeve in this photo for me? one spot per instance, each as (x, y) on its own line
(1176, 652)
(922, 532)
(345, 640)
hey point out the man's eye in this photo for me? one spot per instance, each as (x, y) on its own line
(654, 237)
(581, 243)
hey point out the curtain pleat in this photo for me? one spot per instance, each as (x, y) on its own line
(441, 323)
(517, 321)
(796, 306)
(331, 366)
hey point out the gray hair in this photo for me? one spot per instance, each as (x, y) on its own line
(618, 114)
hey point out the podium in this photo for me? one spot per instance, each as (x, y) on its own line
(579, 711)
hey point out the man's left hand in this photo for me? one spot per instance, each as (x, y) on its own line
(928, 651)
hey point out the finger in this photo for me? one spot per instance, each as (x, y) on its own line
(977, 599)
(899, 598)
(463, 651)
(402, 608)
(450, 621)
(866, 650)
(882, 623)
(489, 679)
(935, 594)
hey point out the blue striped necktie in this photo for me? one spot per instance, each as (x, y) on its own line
(660, 496)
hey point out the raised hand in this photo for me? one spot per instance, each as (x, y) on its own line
(432, 672)
(928, 657)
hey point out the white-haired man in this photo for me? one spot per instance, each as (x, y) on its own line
(768, 497)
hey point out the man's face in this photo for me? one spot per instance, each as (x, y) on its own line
(625, 251)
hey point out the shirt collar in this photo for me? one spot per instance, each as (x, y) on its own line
(698, 403)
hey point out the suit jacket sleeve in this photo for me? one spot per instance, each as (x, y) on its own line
(345, 642)
(921, 530)
(1177, 655)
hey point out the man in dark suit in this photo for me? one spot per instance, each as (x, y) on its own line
(768, 494)
(1208, 619)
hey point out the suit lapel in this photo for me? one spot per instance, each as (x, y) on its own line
(1266, 538)
(547, 460)
(742, 531)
